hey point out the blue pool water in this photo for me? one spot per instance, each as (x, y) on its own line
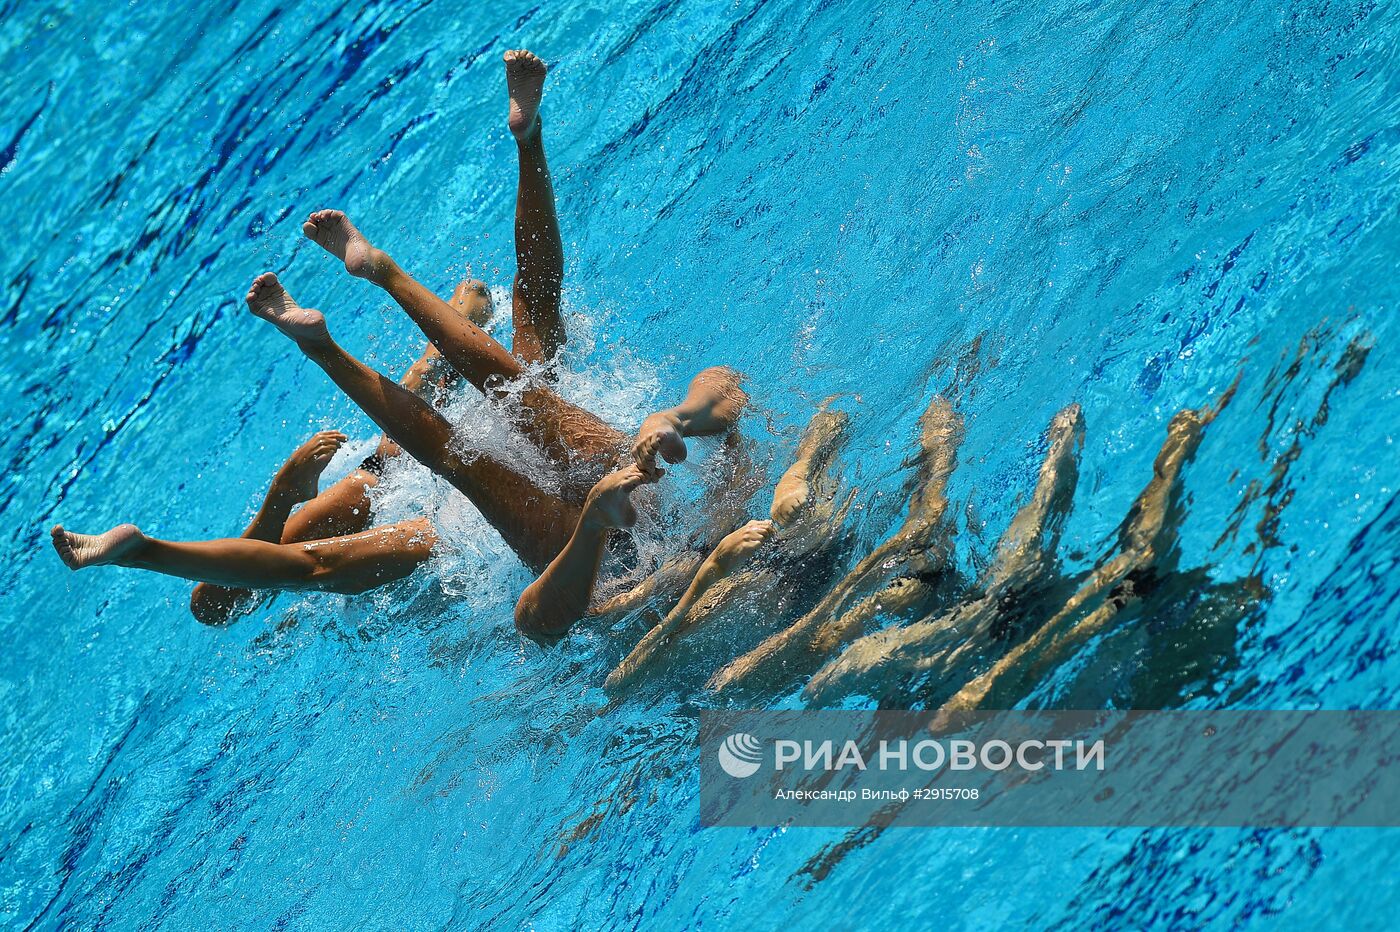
(1116, 205)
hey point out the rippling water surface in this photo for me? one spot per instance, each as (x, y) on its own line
(1112, 205)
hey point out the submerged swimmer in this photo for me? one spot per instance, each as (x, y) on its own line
(563, 535)
(345, 507)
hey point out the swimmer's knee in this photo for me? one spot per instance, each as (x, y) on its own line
(365, 477)
(725, 382)
(526, 611)
(212, 605)
(535, 623)
(205, 609)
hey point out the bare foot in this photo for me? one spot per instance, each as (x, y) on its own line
(609, 503)
(300, 476)
(472, 299)
(712, 406)
(83, 550)
(660, 435)
(268, 300)
(738, 546)
(525, 83)
(333, 232)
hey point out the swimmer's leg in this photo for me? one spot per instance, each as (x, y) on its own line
(431, 373)
(825, 434)
(1033, 536)
(712, 405)
(342, 564)
(344, 508)
(727, 558)
(539, 251)
(533, 522)
(295, 482)
(1147, 535)
(917, 552)
(662, 587)
(940, 433)
(561, 429)
(561, 595)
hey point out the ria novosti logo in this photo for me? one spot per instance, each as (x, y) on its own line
(740, 755)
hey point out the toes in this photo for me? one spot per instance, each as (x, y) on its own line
(264, 282)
